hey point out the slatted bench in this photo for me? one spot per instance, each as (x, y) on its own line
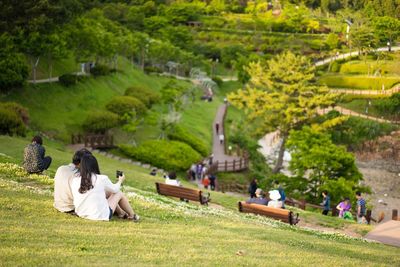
(283, 215)
(182, 193)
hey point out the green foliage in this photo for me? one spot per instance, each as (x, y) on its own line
(68, 79)
(179, 133)
(217, 80)
(387, 29)
(169, 155)
(100, 122)
(10, 122)
(389, 106)
(323, 164)
(124, 104)
(20, 110)
(144, 94)
(100, 70)
(152, 69)
(353, 132)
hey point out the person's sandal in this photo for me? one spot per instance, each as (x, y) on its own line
(125, 216)
(134, 218)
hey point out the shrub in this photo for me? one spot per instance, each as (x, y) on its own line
(169, 155)
(68, 79)
(11, 123)
(181, 134)
(100, 122)
(21, 111)
(13, 70)
(124, 104)
(359, 82)
(152, 69)
(100, 70)
(144, 94)
(217, 80)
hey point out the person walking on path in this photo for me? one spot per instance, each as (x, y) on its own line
(221, 139)
(217, 127)
(252, 188)
(326, 203)
(360, 208)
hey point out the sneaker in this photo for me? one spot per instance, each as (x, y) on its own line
(135, 218)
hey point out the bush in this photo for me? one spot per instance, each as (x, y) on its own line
(100, 70)
(100, 122)
(217, 80)
(124, 104)
(152, 69)
(144, 94)
(169, 155)
(359, 82)
(11, 123)
(21, 111)
(181, 134)
(68, 79)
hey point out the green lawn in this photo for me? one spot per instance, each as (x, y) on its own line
(171, 233)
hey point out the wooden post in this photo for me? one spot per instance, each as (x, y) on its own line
(395, 215)
(217, 164)
(234, 163)
(334, 211)
(240, 164)
(368, 216)
(302, 204)
(226, 165)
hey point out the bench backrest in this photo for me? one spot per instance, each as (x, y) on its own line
(283, 215)
(180, 192)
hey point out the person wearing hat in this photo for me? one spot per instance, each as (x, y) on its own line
(259, 199)
(275, 202)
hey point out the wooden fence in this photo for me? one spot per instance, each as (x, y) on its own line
(238, 165)
(94, 141)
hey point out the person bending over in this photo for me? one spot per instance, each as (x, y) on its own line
(34, 159)
(259, 199)
(89, 193)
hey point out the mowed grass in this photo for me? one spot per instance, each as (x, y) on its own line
(171, 233)
(359, 81)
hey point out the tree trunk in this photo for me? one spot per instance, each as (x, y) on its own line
(279, 162)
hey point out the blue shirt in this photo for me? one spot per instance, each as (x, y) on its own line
(361, 204)
(327, 203)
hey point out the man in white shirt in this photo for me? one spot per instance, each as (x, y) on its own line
(63, 199)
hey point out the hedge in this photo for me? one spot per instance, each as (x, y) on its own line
(20, 110)
(144, 94)
(181, 134)
(359, 82)
(124, 104)
(169, 155)
(100, 122)
(11, 123)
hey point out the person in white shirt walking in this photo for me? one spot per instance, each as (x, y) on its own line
(89, 193)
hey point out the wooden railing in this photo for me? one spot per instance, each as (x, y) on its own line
(94, 141)
(238, 165)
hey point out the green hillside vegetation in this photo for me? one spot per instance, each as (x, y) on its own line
(359, 82)
(157, 239)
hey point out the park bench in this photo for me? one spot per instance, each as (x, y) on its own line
(182, 193)
(283, 215)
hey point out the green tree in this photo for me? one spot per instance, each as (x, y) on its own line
(322, 165)
(282, 95)
(387, 29)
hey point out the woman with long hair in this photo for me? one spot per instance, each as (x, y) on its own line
(90, 191)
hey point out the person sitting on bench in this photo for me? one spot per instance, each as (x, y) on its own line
(275, 202)
(34, 159)
(259, 199)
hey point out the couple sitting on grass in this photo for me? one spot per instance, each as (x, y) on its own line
(80, 188)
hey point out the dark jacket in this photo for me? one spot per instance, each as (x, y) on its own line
(258, 200)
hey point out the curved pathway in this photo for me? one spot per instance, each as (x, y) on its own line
(351, 54)
(349, 112)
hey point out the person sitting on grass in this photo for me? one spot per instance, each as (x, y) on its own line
(343, 207)
(89, 193)
(259, 199)
(34, 159)
(63, 199)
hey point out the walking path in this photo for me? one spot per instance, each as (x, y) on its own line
(52, 80)
(219, 149)
(352, 54)
(349, 112)
(387, 233)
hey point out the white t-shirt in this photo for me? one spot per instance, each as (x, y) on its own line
(93, 204)
(172, 182)
(275, 204)
(63, 199)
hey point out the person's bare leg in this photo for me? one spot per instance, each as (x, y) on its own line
(113, 200)
(118, 210)
(124, 204)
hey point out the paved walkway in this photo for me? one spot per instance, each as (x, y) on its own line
(219, 149)
(387, 233)
(349, 112)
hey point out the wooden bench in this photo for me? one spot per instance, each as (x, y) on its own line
(283, 215)
(182, 193)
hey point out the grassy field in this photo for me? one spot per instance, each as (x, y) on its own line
(360, 67)
(358, 81)
(171, 233)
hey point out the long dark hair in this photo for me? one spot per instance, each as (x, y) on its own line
(88, 167)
